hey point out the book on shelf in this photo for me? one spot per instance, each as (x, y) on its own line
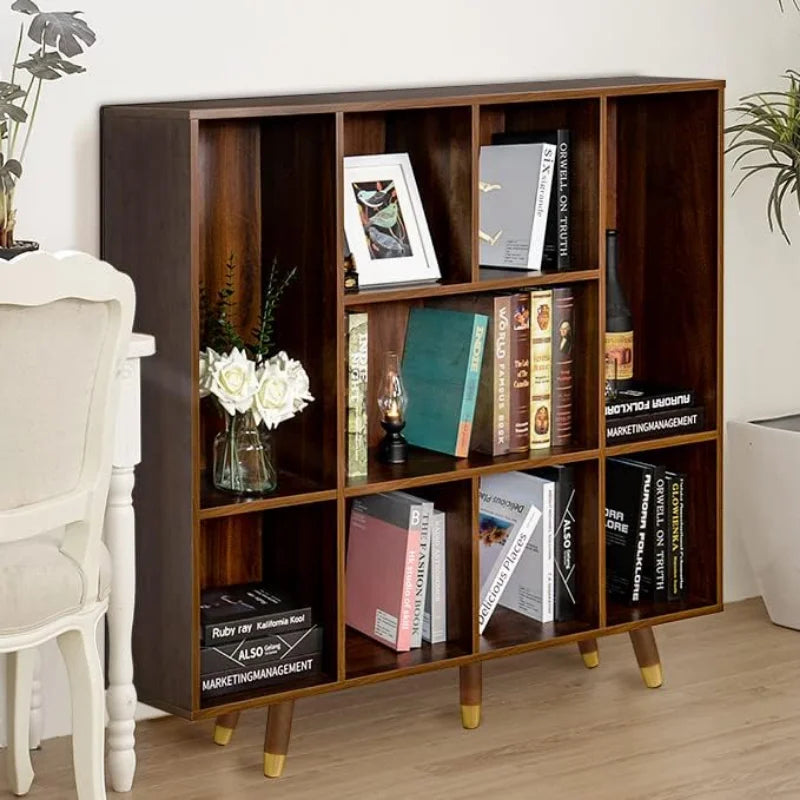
(383, 554)
(490, 429)
(541, 368)
(507, 520)
(676, 563)
(357, 387)
(514, 188)
(647, 398)
(434, 622)
(530, 587)
(556, 251)
(629, 488)
(232, 613)
(565, 540)
(660, 527)
(520, 394)
(563, 340)
(244, 678)
(441, 367)
(252, 652)
(650, 426)
(425, 509)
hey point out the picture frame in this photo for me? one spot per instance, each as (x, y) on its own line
(384, 222)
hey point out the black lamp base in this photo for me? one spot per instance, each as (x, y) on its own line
(393, 449)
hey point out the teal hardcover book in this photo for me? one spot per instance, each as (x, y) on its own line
(441, 369)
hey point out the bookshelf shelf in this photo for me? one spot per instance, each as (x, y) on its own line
(262, 178)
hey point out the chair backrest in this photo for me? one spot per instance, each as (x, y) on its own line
(65, 324)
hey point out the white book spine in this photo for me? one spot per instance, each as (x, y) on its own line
(541, 206)
(423, 570)
(434, 623)
(504, 568)
(548, 552)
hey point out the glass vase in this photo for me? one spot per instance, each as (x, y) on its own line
(244, 457)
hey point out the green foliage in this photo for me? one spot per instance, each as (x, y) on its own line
(62, 30)
(263, 334)
(767, 135)
(49, 66)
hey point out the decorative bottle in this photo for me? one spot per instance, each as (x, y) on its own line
(619, 323)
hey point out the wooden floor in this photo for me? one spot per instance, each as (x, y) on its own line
(725, 725)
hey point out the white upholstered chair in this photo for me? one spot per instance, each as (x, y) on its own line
(65, 323)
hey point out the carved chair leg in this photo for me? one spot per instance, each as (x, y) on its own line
(471, 679)
(276, 738)
(646, 650)
(589, 653)
(226, 725)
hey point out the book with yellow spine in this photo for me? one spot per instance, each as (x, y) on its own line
(541, 368)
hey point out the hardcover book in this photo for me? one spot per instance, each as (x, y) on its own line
(646, 426)
(530, 588)
(232, 613)
(508, 518)
(441, 365)
(520, 406)
(556, 253)
(382, 562)
(676, 566)
(434, 622)
(629, 487)
(563, 335)
(260, 650)
(246, 678)
(541, 368)
(645, 398)
(515, 185)
(660, 527)
(565, 538)
(357, 376)
(491, 427)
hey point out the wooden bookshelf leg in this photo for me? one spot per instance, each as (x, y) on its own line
(276, 739)
(226, 725)
(589, 653)
(646, 650)
(471, 691)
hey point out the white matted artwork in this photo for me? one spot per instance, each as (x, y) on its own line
(384, 221)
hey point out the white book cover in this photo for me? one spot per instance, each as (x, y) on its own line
(531, 589)
(508, 516)
(423, 570)
(434, 620)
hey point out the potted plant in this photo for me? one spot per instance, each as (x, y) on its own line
(253, 387)
(59, 36)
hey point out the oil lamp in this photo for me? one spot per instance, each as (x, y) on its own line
(392, 403)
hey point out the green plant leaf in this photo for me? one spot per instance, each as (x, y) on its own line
(10, 173)
(63, 30)
(25, 7)
(9, 92)
(49, 66)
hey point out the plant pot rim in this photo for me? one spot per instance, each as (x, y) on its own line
(19, 247)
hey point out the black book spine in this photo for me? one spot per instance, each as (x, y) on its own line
(623, 406)
(682, 538)
(650, 426)
(214, 633)
(640, 583)
(675, 512)
(241, 679)
(566, 551)
(659, 541)
(559, 202)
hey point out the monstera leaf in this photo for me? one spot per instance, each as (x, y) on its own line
(9, 92)
(10, 173)
(49, 66)
(63, 30)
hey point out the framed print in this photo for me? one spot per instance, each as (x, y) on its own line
(384, 222)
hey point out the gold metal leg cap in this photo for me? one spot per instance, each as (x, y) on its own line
(222, 735)
(652, 676)
(591, 660)
(273, 765)
(470, 717)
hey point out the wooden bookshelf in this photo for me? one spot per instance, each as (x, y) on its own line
(186, 184)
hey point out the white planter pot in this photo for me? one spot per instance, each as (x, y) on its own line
(764, 478)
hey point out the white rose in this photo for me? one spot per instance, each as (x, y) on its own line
(282, 391)
(233, 381)
(207, 358)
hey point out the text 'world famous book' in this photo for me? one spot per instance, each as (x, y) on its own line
(520, 406)
(508, 518)
(434, 621)
(261, 650)
(629, 493)
(556, 252)
(247, 678)
(514, 195)
(357, 388)
(441, 366)
(530, 588)
(232, 613)
(382, 562)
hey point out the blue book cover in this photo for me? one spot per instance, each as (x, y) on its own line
(441, 367)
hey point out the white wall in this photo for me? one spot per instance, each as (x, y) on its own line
(197, 48)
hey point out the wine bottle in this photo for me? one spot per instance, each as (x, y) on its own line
(619, 324)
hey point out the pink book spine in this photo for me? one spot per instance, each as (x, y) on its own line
(409, 584)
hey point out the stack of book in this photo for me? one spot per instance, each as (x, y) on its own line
(396, 570)
(646, 532)
(528, 538)
(647, 411)
(253, 637)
